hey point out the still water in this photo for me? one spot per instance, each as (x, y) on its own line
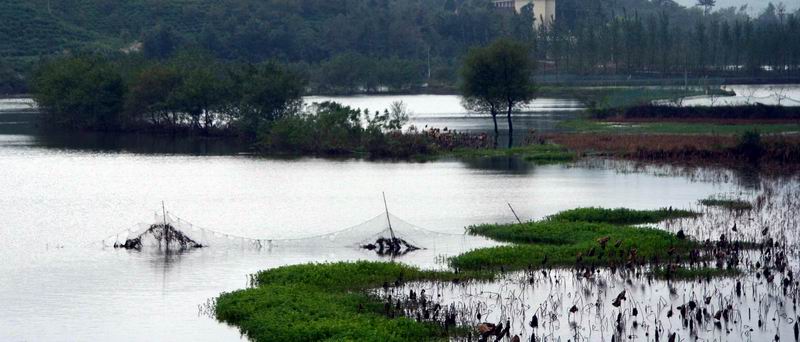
(58, 200)
(770, 94)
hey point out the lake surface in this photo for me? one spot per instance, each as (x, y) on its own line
(59, 200)
(770, 94)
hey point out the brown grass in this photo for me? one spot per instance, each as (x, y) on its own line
(779, 152)
(717, 121)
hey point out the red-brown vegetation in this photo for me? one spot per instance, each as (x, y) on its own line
(776, 152)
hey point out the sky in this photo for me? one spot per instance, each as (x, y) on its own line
(755, 6)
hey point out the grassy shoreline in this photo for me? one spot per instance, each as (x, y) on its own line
(330, 302)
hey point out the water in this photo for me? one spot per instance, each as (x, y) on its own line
(446, 111)
(59, 198)
(440, 111)
(774, 94)
(755, 309)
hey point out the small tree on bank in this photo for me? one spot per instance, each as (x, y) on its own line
(498, 78)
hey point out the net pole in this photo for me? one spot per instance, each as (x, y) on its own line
(514, 212)
(166, 231)
(388, 219)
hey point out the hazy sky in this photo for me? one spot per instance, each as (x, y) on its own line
(755, 6)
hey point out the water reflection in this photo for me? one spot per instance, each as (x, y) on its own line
(505, 165)
(138, 143)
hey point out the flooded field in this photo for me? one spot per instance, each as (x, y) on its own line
(756, 303)
(63, 197)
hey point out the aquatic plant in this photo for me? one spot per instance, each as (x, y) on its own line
(315, 302)
(730, 204)
(539, 153)
(563, 243)
(622, 215)
(688, 273)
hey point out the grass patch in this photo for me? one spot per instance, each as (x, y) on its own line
(683, 273)
(565, 243)
(667, 127)
(328, 302)
(618, 97)
(537, 153)
(730, 204)
(622, 215)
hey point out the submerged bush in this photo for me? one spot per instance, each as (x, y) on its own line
(80, 92)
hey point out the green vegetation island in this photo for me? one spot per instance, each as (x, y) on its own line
(335, 301)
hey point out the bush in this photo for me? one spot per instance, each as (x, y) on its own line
(750, 146)
(332, 129)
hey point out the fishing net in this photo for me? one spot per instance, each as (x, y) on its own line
(384, 234)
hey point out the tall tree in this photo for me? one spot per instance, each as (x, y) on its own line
(498, 77)
(707, 5)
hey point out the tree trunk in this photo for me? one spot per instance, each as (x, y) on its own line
(496, 132)
(510, 126)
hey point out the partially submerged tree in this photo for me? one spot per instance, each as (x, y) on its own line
(268, 93)
(80, 92)
(498, 78)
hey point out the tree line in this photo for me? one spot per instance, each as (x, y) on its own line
(187, 93)
(345, 46)
(668, 41)
(194, 94)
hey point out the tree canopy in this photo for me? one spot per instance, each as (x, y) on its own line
(498, 77)
(186, 93)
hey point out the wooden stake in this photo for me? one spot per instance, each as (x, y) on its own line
(166, 231)
(388, 220)
(514, 212)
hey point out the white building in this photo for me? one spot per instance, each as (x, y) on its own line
(543, 10)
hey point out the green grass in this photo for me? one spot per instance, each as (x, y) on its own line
(730, 204)
(556, 243)
(538, 153)
(683, 273)
(621, 215)
(328, 302)
(620, 97)
(593, 126)
(562, 239)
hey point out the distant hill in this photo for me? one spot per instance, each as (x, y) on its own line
(362, 41)
(28, 30)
